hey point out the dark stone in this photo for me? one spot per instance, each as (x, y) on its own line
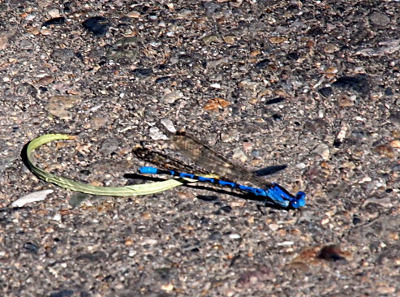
(67, 7)
(326, 92)
(275, 100)
(262, 63)
(389, 92)
(63, 293)
(162, 79)
(337, 143)
(293, 56)
(142, 72)
(330, 253)
(315, 31)
(358, 83)
(85, 172)
(55, 22)
(43, 89)
(207, 198)
(277, 117)
(97, 25)
(79, 56)
(30, 247)
(269, 170)
(97, 256)
(204, 221)
(161, 67)
(215, 236)
(356, 220)
(226, 208)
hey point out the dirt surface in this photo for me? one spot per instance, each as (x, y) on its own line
(310, 84)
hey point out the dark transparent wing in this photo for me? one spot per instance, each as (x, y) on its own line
(206, 157)
(163, 161)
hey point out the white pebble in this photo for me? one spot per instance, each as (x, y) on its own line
(216, 86)
(156, 134)
(54, 13)
(31, 197)
(323, 150)
(57, 217)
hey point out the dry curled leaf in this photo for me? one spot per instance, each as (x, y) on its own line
(216, 104)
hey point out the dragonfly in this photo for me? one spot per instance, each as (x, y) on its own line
(204, 156)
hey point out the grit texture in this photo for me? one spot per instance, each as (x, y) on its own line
(312, 85)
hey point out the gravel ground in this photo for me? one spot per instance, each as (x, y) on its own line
(310, 84)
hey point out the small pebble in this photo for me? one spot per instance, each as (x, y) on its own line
(379, 18)
(332, 70)
(212, 38)
(229, 39)
(169, 125)
(395, 143)
(323, 150)
(273, 227)
(278, 39)
(184, 13)
(167, 287)
(215, 86)
(386, 290)
(349, 165)
(330, 48)
(30, 247)
(62, 54)
(46, 80)
(247, 146)
(172, 97)
(149, 241)
(345, 101)
(216, 63)
(134, 14)
(238, 154)
(56, 217)
(250, 85)
(54, 13)
(156, 134)
(263, 63)
(110, 145)
(129, 242)
(58, 106)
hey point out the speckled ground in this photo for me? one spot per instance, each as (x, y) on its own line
(310, 84)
